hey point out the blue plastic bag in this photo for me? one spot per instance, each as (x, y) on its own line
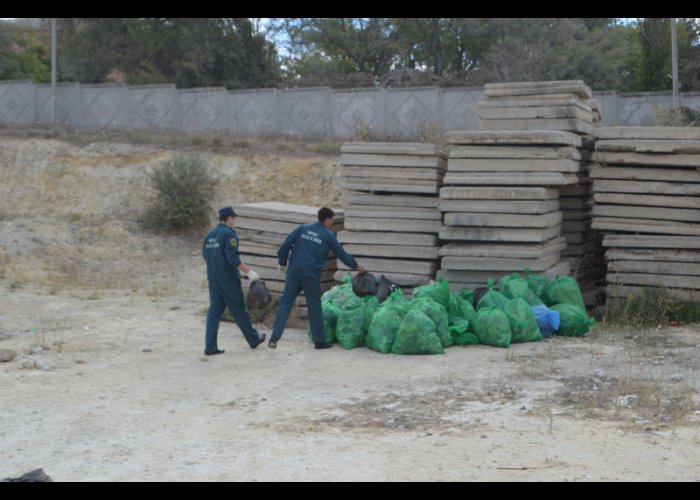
(547, 320)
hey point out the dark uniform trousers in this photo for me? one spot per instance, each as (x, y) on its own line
(222, 294)
(298, 279)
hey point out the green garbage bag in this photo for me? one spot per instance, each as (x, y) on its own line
(438, 290)
(417, 335)
(523, 324)
(397, 301)
(492, 298)
(460, 309)
(383, 329)
(573, 321)
(439, 316)
(339, 293)
(330, 319)
(492, 326)
(536, 282)
(513, 286)
(563, 290)
(468, 295)
(460, 334)
(354, 319)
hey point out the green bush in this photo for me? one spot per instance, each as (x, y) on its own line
(183, 187)
(651, 306)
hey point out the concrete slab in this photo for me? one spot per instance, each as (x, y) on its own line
(395, 265)
(535, 100)
(512, 165)
(268, 226)
(508, 179)
(396, 161)
(616, 291)
(387, 238)
(283, 212)
(648, 159)
(649, 146)
(570, 215)
(429, 174)
(656, 213)
(504, 250)
(498, 264)
(656, 280)
(508, 113)
(395, 200)
(672, 133)
(515, 152)
(645, 200)
(646, 226)
(500, 206)
(576, 226)
(393, 225)
(562, 268)
(502, 220)
(563, 124)
(499, 193)
(498, 234)
(657, 255)
(577, 87)
(261, 236)
(648, 241)
(394, 148)
(576, 191)
(646, 174)
(389, 186)
(392, 251)
(248, 247)
(647, 187)
(386, 213)
(540, 137)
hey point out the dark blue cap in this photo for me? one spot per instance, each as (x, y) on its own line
(226, 212)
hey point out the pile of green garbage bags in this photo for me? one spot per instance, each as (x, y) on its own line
(523, 308)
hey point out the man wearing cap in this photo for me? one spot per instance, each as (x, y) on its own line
(309, 244)
(224, 268)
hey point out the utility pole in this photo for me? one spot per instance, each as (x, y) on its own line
(53, 70)
(674, 62)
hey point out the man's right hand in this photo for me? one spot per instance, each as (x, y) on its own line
(360, 269)
(282, 269)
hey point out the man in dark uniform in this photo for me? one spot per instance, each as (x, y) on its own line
(309, 244)
(224, 268)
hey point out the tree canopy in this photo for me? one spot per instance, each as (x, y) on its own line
(235, 53)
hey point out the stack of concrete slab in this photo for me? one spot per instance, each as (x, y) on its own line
(636, 261)
(391, 209)
(500, 203)
(263, 227)
(648, 183)
(554, 105)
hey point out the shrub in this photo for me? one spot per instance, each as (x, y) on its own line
(183, 186)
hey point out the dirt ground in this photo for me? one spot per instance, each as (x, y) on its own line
(110, 384)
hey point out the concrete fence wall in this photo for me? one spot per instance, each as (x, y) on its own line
(312, 112)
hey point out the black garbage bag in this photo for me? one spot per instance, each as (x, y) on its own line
(258, 296)
(385, 288)
(478, 293)
(35, 476)
(363, 284)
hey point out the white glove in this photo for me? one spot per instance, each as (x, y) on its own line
(282, 269)
(253, 276)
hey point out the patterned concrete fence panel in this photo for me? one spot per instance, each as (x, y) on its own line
(105, 106)
(358, 113)
(412, 112)
(459, 109)
(153, 107)
(253, 112)
(306, 112)
(313, 112)
(17, 102)
(68, 104)
(202, 110)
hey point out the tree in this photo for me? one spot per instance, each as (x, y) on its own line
(23, 53)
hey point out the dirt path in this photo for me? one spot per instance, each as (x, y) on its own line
(128, 396)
